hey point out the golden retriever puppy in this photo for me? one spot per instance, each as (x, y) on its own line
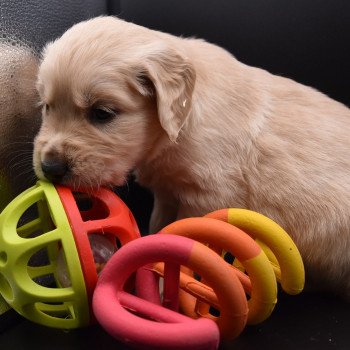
(202, 131)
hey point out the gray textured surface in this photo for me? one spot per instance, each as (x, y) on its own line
(38, 21)
(19, 117)
(25, 27)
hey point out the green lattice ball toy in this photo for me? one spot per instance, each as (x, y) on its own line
(45, 233)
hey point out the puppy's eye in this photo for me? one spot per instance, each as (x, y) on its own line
(102, 115)
(47, 108)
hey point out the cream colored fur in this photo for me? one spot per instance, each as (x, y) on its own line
(202, 131)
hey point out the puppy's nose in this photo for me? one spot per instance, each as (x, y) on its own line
(54, 169)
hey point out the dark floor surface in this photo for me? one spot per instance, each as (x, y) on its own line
(307, 321)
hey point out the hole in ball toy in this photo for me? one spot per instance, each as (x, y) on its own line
(56, 310)
(30, 214)
(3, 258)
(117, 243)
(229, 258)
(91, 208)
(196, 276)
(5, 288)
(40, 258)
(35, 221)
(102, 249)
(103, 246)
(41, 265)
(214, 312)
(63, 276)
(83, 201)
(47, 280)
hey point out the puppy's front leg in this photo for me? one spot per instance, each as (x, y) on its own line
(164, 212)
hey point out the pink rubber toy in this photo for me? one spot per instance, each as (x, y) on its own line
(147, 325)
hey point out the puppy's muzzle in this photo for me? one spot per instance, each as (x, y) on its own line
(54, 169)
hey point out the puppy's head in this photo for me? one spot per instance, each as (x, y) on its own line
(110, 92)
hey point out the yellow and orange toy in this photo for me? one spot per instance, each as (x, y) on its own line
(263, 255)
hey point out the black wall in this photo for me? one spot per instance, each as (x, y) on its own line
(307, 40)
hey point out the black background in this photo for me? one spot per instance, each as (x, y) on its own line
(307, 40)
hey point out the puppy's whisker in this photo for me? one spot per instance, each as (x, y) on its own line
(19, 156)
(26, 177)
(18, 166)
(127, 185)
(19, 151)
(8, 150)
(26, 141)
(91, 185)
(25, 162)
(25, 155)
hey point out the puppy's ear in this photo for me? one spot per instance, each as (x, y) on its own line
(171, 77)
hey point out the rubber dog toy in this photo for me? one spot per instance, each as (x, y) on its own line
(277, 244)
(261, 274)
(131, 319)
(261, 284)
(80, 232)
(60, 231)
(196, 279)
